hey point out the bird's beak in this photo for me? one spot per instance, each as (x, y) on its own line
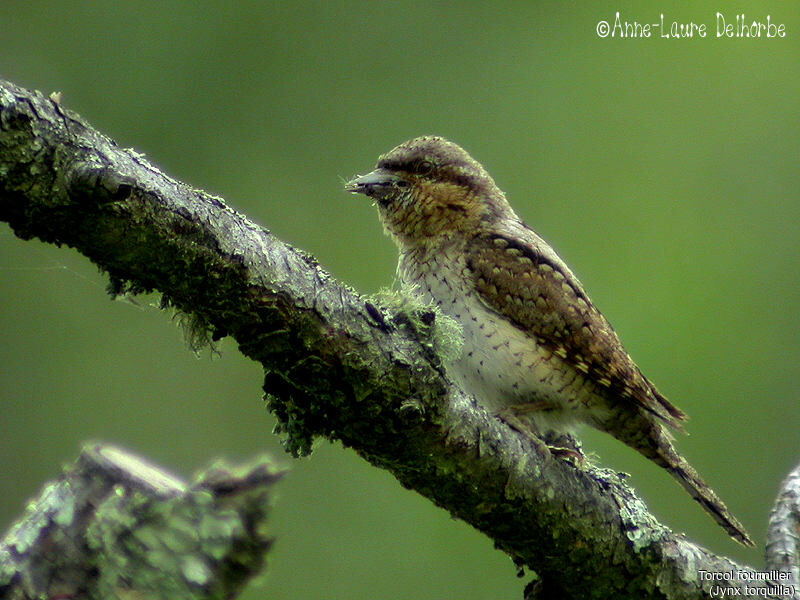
(378, 183)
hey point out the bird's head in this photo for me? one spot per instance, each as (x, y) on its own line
(429, 189)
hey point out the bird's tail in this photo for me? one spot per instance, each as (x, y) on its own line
(705, 496)
(684, 473)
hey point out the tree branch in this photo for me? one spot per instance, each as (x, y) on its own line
(113, 526)
(783, 534)
(336, 365)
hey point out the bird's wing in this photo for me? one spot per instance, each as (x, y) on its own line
(527, 283)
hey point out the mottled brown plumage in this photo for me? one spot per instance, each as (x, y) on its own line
(539, 298)
(534, 344)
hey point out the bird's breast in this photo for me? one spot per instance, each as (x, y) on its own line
(500, 364)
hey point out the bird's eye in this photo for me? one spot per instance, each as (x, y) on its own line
(424, 167)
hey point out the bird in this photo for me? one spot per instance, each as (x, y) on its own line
(535, 348)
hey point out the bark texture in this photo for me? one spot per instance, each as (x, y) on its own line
(113, 526)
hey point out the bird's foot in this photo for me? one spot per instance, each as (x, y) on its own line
(552, 443)
(566, 446)
(510, 417)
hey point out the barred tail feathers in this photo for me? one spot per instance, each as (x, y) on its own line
(662, 451)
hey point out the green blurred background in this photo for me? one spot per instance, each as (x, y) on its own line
(665, 172)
